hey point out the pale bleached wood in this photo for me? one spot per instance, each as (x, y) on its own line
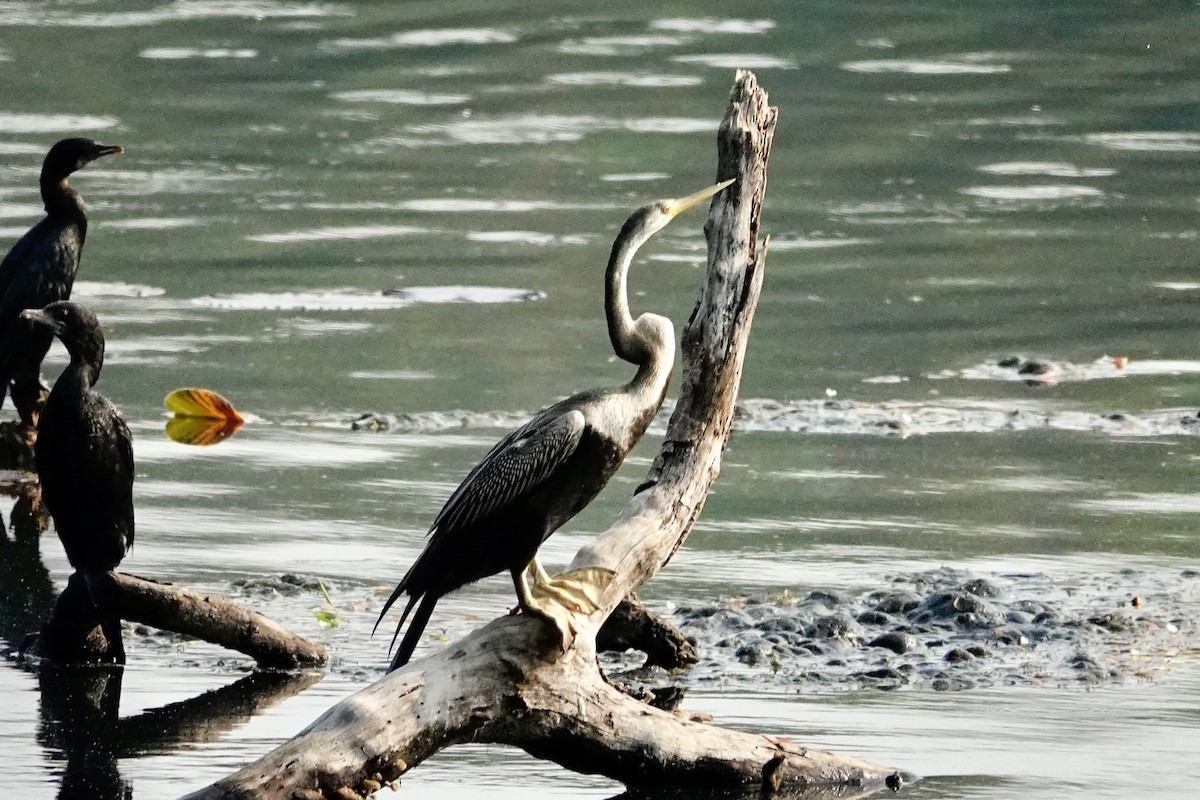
(509, 682)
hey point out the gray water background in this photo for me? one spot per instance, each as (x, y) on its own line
(950, 184)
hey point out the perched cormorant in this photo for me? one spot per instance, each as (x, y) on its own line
(541, 475)
(84, 454)
(40, 269)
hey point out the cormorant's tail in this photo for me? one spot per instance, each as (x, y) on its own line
(409, 643)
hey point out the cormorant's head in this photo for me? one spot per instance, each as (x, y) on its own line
(68, 155)
(650, 219)
(76, 327)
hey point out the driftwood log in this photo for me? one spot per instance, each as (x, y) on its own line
(72, 635)
(509, 682)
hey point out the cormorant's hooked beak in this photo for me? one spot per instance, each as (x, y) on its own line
(675, 207)
(40, 317)
(107, 150)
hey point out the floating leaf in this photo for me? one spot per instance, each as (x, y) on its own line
(201, 431)
(201, 403)
(327, 618)
(330, 616)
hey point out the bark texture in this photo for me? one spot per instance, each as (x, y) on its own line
(509, 682)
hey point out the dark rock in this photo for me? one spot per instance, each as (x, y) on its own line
(876, 618)
(895, 641)
(836, 626)
(749, 654)
(957, 655)
(981, 587)
(829, 597)
(898, 603)
(1113, 622)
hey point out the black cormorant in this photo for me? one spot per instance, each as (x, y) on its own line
(538, 477)
(84, 454)
(40, 269)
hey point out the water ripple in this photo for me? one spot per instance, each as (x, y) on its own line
(1052, 169)
(434, 37)
(713, 25)
(737, 61)
(920, 67)
(150, 223)
(334, 233)
(1149, 141)
(618, 45)
(358, 300)
(182, 53)
(117, 289)
(1145, 503)
(36, 14)
(641, 80)
(1032, 193)
(22, 122)
(401, 97)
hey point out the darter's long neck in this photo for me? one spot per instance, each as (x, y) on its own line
(621, 330)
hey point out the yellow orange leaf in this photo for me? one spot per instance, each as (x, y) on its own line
(202, 404)
(200, 431)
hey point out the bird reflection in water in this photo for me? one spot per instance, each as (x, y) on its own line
(26, 591)
(81, 727)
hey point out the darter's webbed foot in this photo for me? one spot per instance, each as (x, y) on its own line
(560, 598)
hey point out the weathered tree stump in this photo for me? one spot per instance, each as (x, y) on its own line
(508, 682)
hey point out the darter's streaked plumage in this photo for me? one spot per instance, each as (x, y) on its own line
(40, 269)
(541, 475)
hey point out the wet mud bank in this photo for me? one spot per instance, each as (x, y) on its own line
(948, 630)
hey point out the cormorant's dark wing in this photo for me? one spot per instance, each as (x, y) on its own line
(123, 444)
(37, 271)
(32, 274)
(516, 465)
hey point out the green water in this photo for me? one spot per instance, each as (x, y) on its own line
(949, 185)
